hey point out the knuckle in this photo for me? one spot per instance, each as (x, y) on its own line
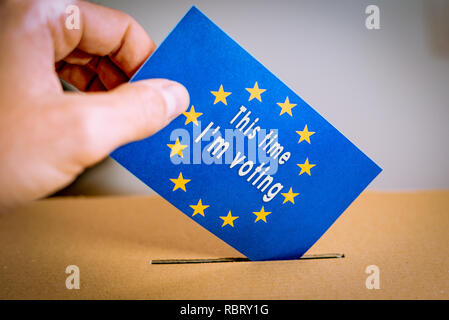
(152, 107)
(83, 125)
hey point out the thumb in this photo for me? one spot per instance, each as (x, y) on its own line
(130, 112)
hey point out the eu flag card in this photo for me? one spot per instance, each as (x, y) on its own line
(249, 160)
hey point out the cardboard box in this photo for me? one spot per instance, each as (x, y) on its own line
(113, 240)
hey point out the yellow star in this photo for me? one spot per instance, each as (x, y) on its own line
(192, 116)
(286, 107)
(199, 208)
(261, 215)
(305, 135)
(180, 182)
(255, 92)
(220, 95)
(289, 196)
(229, 219)
(305, 167)
(176, 148)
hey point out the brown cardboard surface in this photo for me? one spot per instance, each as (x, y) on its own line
(112, 241)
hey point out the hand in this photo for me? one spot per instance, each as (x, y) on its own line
(48, 137)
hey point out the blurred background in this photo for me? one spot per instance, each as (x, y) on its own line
(387, 90)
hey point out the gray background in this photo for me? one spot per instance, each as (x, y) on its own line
(387, 90)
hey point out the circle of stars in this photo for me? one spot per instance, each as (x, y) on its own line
(220, 96)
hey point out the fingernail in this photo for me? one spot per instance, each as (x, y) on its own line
(176, 99)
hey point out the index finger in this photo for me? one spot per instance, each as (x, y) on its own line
(106, 32)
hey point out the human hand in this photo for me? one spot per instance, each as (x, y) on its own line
(48, 137)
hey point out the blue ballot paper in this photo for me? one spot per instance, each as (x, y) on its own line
(249, 160)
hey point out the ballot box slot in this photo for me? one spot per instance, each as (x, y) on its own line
(239, 259)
